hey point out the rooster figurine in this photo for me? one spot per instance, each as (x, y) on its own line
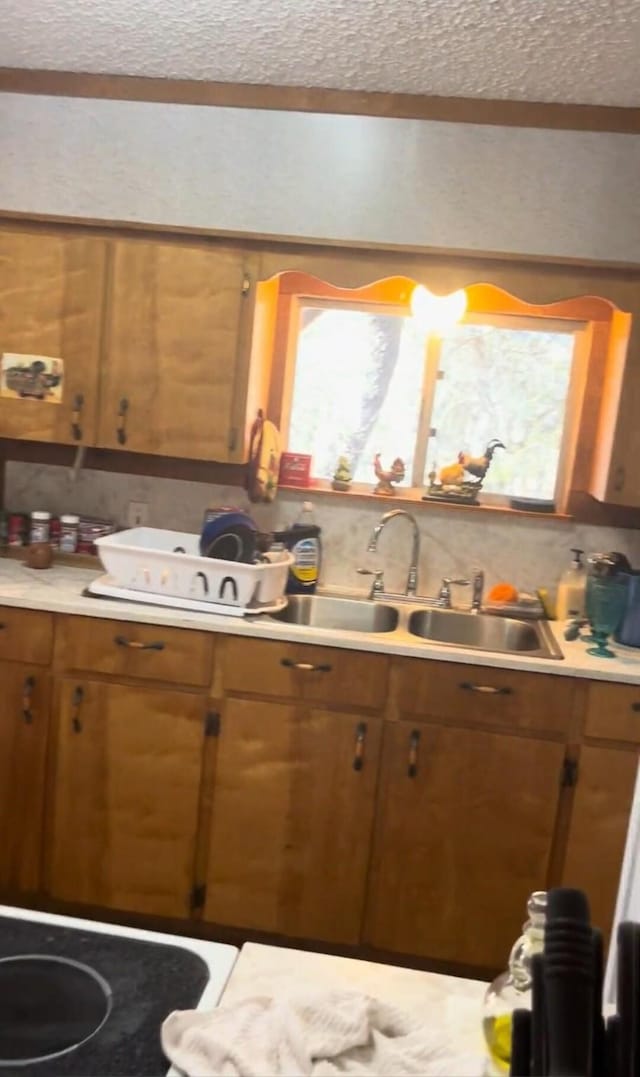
(453, 484)
(385, 478)
(479, 465)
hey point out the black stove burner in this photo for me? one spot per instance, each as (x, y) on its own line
(147, 979)
(48, 1005)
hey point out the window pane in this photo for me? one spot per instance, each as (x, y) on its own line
(357, 390)
(510, 384)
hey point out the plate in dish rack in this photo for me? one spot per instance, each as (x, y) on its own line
(104, 587)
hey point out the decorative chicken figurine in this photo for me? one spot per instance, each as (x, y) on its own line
(385, 478)
(479, 465)
(452, 474)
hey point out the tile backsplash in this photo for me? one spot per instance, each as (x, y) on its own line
(526, 551)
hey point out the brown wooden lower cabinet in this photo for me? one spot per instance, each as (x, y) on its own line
(598, 828)
(293, 804)
(125, 796)
(24, 720)
(331, 811)
(464, 832)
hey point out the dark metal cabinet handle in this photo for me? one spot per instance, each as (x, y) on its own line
(76, 417)
(358, 755)
(305, 667)
(487, 689)
(619, 477)
(76, 704)
(121, 432)
(414, 741)
(27, 693)
(122, 641)
(635, 707)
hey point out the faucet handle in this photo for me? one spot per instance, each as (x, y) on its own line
(478, 590)
(444, 594)
(377, 586)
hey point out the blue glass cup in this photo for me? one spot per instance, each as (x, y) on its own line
(606, 601)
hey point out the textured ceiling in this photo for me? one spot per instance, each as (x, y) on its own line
(585, 51)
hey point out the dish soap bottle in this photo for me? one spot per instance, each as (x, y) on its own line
(306, 549)
(511, 990)
(570, 600)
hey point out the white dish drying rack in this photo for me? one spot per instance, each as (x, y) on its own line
(167, 564)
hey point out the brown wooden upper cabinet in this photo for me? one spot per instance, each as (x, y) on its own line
(175, 379)
(51, 294)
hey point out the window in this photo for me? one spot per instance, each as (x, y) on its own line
(362, 377)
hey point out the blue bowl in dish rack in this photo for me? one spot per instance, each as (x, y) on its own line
(228, 535)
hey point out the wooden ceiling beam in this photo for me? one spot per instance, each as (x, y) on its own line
(550, 115)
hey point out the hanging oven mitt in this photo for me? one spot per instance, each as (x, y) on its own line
(264, 459)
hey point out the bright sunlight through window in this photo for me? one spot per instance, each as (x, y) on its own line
(368, 382)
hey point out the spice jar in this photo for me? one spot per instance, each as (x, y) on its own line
(69, 525)
(40, 524)
(18, 525)
(54, 533)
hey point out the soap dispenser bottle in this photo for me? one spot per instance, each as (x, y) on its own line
(570, 600)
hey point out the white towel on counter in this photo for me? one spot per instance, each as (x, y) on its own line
(309, 1034)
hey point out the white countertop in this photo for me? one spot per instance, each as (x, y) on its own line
(59, 590)
(452, 1005)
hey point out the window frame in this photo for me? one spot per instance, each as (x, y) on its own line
(602, 333)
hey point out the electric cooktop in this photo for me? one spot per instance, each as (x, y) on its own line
(77, 1002)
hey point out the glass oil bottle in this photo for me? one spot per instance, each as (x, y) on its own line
(512, 989)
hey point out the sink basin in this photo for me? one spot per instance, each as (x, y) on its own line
(483, 632)
(350, 615)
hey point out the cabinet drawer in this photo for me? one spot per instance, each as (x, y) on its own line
(26, 635)
(303, 672)
(502, 698)
(613, 711)
(123, 648)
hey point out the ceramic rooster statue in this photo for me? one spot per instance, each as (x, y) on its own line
(479, 465)
(385, 478)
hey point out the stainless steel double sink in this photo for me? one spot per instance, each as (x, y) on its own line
(453, 628)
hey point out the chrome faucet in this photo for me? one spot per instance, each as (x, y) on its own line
(412, 578)
(477, 592)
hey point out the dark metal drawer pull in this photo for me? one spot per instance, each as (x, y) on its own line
(358, 756)
(27, 692)
(122, 641)
(76, 416)
(306, 667)
(414, 741)
(635, 707)
(488, 689)
(76, 703)
(121, 432)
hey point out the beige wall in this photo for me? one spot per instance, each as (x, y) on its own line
(569, 194)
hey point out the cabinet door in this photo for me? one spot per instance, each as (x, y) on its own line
(125, 795)
(24, 719)
(599, 820)
(464, 834)
(51, 296)
(174, 345)
(292, 819)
